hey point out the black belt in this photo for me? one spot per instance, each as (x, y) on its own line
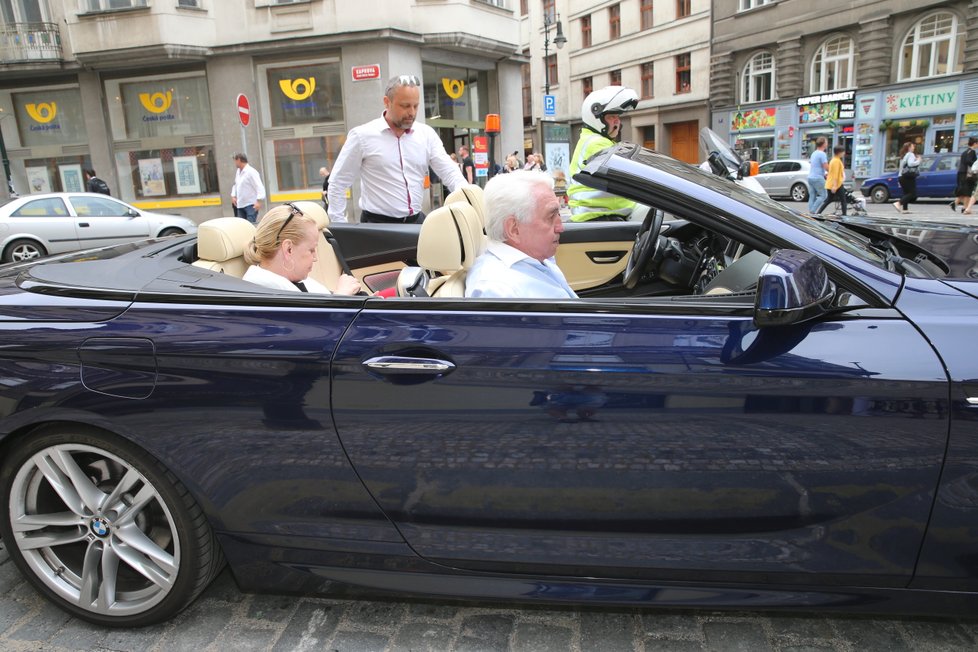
(368, 216)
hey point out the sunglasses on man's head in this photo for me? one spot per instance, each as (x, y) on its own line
(295, 211)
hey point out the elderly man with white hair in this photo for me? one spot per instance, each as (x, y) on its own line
(523, 224)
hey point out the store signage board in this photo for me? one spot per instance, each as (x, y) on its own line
(363, 73)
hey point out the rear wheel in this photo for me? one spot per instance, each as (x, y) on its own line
(102, 529)
(20, 250)
(880, 194)
(171, 231)
(799, 192)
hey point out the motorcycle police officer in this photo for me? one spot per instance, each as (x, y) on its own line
(602, 129)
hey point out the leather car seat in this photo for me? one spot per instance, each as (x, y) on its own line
(450, 240)
(472, 195)
(221, 243)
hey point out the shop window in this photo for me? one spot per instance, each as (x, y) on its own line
(297, 160)
(832, 67)
(167, 173)
(587, 86)
(645, 14)
(934, 47)
(648, 80)
(683, 73)
(50, 117)
(163, 107)
(758, 78)
(586, 31)
(614, 21)
(304, 94)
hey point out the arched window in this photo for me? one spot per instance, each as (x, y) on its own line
(934, 47)
(758, 78)
(833, 66)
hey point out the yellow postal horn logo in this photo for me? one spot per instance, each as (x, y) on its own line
(157, 102)
(453, 87)
(297, 89)
(43, 112)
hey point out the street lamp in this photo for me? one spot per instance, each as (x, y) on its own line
(559, 40)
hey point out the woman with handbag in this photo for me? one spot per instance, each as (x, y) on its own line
(909, 169)
(965, 181)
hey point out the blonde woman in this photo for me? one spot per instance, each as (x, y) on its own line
(283, 252)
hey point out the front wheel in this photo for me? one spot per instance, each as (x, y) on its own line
(880, 194)
(102, 529)
(21, 250)
(799, 192)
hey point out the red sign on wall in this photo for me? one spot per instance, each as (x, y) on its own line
(361, 73)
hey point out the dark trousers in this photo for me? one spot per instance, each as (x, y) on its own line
(367, 216)
(909, 186)
(839, 195)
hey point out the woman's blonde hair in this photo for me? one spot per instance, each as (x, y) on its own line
(272, 231)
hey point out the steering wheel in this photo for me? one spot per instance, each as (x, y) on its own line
(646, 243)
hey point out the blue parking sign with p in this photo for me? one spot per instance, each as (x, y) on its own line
(549, 105)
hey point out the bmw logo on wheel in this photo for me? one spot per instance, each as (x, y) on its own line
(100, 526)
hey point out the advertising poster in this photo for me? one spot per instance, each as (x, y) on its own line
(151, 177)
(38, 179)
(188, 179)
(71, 178)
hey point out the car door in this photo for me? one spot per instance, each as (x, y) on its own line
(47, 219)
(103, 221)
(658, 439)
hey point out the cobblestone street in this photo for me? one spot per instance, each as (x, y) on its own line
(223, 618)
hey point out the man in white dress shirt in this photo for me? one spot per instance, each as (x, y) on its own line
(391, 156)
(248, 190)
(523, 224)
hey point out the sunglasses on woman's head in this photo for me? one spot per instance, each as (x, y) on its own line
(295, 211)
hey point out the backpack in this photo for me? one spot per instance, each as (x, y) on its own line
(97, 185)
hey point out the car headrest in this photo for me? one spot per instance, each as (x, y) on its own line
(451, 239)
(472, 195)
(314, 210)
(224, 238)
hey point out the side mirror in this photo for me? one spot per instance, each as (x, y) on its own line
(717, 165)
(746, 169)
(132, 212)
(412, 282)
(793, 287)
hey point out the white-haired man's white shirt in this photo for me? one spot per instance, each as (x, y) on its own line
(506, 272)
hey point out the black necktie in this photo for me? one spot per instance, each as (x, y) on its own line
(300, 285)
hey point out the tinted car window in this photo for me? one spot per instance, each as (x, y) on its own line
(52, 206)
(767, 168)
(946, 163)
(98, 207)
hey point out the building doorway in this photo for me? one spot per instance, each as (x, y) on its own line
(685, 141)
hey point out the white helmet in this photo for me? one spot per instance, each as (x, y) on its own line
(610, 99)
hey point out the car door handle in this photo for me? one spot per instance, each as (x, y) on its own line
(83, 224)
(396, 364)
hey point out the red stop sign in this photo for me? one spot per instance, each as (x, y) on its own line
(244, 110)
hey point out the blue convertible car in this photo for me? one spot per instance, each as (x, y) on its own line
(747, 407)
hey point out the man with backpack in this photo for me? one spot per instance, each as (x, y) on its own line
(94, 184)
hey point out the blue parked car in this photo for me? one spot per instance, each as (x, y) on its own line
(746, 407)
(938, 177)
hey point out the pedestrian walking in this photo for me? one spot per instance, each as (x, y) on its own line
(94, 184)
(817, 170)
(909, 170)
(248, 191)
(965, 182)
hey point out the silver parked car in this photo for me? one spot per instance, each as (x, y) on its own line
(53, 223)
(785, 178)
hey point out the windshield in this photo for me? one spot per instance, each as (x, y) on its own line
(830, 232)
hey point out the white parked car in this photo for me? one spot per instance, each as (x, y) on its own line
(53, 223)
(785, 178)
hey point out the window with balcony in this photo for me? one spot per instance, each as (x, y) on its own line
(23, 11)
(614, 21)
(934, 47)
(751, 4)
(109, 5)
(645, 14)
(683, 73)
(832, 66)
(615, 77)
(587, 86)
(758, 78)
(683, 8)
(586, 32)
(648, 80)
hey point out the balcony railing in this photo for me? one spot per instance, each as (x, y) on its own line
(21, 42)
